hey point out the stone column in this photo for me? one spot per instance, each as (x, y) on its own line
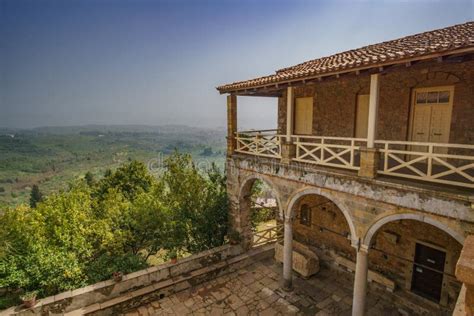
(465, 273)
(231, 123)
(360, 283)
(288, 254)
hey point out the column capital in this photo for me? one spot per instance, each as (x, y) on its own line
(359, 247)
(364, 249)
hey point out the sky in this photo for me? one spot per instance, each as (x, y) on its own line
(71, 62)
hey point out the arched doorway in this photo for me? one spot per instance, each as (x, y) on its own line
(418, 254)
(260, 212)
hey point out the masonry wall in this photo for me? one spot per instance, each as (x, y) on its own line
(393, 254)
(328, 230)
(335, 100)
(393, 251)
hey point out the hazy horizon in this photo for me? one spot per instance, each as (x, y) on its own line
(99, 62)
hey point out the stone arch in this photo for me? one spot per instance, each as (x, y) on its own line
(342, 207)
(373, 229)
(244, 206)
(248, 182)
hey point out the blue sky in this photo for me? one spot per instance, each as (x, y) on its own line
(70, 62)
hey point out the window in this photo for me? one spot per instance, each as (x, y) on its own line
(305, 215)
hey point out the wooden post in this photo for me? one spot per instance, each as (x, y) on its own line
(373, 109)
(289, 113)
(231, 123)
(369, 156)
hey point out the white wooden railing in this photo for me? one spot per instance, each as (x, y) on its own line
(340, 152)
(264, 143)
(268, 235)
(434, 162)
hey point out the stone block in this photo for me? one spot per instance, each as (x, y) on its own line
(305, 261)
(465, 273)
(369, 162)
(288, 152)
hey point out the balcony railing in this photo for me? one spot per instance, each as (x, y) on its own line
(339, 152)
(451, 164)
(264, 143)
(434, 162)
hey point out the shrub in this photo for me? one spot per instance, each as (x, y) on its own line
(103, 267)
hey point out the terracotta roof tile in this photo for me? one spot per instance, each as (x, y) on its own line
(420, 45)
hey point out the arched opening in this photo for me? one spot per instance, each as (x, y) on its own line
(260, 212)
(418, 256)
(320, 225)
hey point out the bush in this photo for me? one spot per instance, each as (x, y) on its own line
(103, 268)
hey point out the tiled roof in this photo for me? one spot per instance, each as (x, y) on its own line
(437, 42)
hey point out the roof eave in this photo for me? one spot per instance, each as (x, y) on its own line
(278, 83)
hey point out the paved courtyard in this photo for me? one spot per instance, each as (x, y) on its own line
(255, 290)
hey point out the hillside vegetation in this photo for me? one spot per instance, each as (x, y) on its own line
(51, 157)
(112, 224)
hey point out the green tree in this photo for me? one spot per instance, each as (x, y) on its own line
(89, 177)
(35, 196)
(130, 179)
(198, 201)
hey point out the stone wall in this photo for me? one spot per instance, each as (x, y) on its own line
(328, 230)
(104, 295)
(335, 100)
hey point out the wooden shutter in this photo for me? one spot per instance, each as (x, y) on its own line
(362, 116)
(303, 116)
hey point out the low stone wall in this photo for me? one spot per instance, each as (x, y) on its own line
(100, 298)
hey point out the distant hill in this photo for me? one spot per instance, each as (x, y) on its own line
(61, 130)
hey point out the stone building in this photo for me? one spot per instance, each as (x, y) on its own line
(372, 163)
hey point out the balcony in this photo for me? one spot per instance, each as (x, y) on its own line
(439, 163)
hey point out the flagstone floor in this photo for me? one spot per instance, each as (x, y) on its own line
(255, 290)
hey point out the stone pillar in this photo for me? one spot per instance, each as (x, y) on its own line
(465, 273)
(369, 162)
(360, 283)
(288, 254)
(288, 152)
(231, 123)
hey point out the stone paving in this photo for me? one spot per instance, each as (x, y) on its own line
(255, 290)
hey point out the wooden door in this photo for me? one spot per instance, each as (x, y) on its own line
(431, 121)
(428, 271)
(303, 116)
(362, 116)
